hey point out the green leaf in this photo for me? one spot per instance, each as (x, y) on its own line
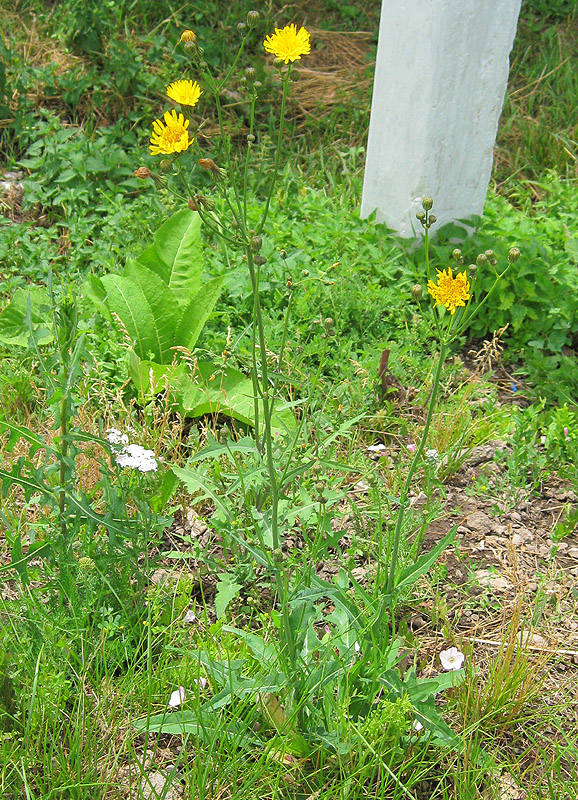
(14, 329)
(227, 590)
(196, 313)
(147, 311)
(414, 571)
(176, 255)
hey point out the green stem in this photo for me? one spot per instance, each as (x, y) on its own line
(412, 469)
(278, 150)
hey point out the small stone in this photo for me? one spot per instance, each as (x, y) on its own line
(517, 540)
(572, 552)
(515, 516)
(479, 522)
(532, 586)
(492, 580)
(532, 639)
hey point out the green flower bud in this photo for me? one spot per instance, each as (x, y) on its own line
(472, 270)
(250, 73)
(256, 243)
(257, 85)
(513, 254)
(250, 138)
(260, 260)
(328, 323)
(253, 18)
(432, 219)
(277, 555)
(317, 468)
(319, 486)
(166, 165)
(490, 255)
(242, 27)
(427, 203)
(457, 254)
(417, 291)
(482, 260)
(421, 216)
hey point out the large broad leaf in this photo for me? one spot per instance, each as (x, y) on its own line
(147, 310)
(14, 326)
(176, 254)
(196, 313)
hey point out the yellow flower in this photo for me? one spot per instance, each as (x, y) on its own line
(187, 36)
(171, 136)
(449, 291)
(288, 43)
(186, 93)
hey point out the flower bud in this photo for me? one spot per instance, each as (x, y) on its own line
(242, 27)
(472, 270)
(295, 76)
(257, 85)
(317, 468)
(256, 243)
(192, 204)
(278, 62)
(490, 255)
(417, 291)
(224, 434)
(482, 260)
(513, 254)
(203, 65)
(305, 273)
(421, 216)
(328, 323)
(277, 555)
(457, 254)
(191, 48)
(209, 164)
(253, 18)
(166, 165)
(250, 138)
(205, 202)
(319, 486)
(427, 203)
(432, 219)
(143, 173)
(250, 73)
(260, 260)
(283, 254)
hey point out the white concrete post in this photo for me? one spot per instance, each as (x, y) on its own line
(440, 79)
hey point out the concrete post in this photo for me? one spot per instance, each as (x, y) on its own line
(440, 79)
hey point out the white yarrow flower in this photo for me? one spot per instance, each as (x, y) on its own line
(115, 436)
(137, 457)
(177, 697)
(452, 659)
(432, 455)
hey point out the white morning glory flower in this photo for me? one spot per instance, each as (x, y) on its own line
(452, 659)
(376, 448)
(177, 697)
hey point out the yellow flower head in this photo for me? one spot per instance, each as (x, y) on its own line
(449, 291)
(288, 43)
(187, 36)
(186, 93)
(171, 136)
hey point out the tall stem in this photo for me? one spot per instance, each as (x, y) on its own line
(412, 469)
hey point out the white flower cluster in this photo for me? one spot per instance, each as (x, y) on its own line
(114, 436)
(132, 455)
